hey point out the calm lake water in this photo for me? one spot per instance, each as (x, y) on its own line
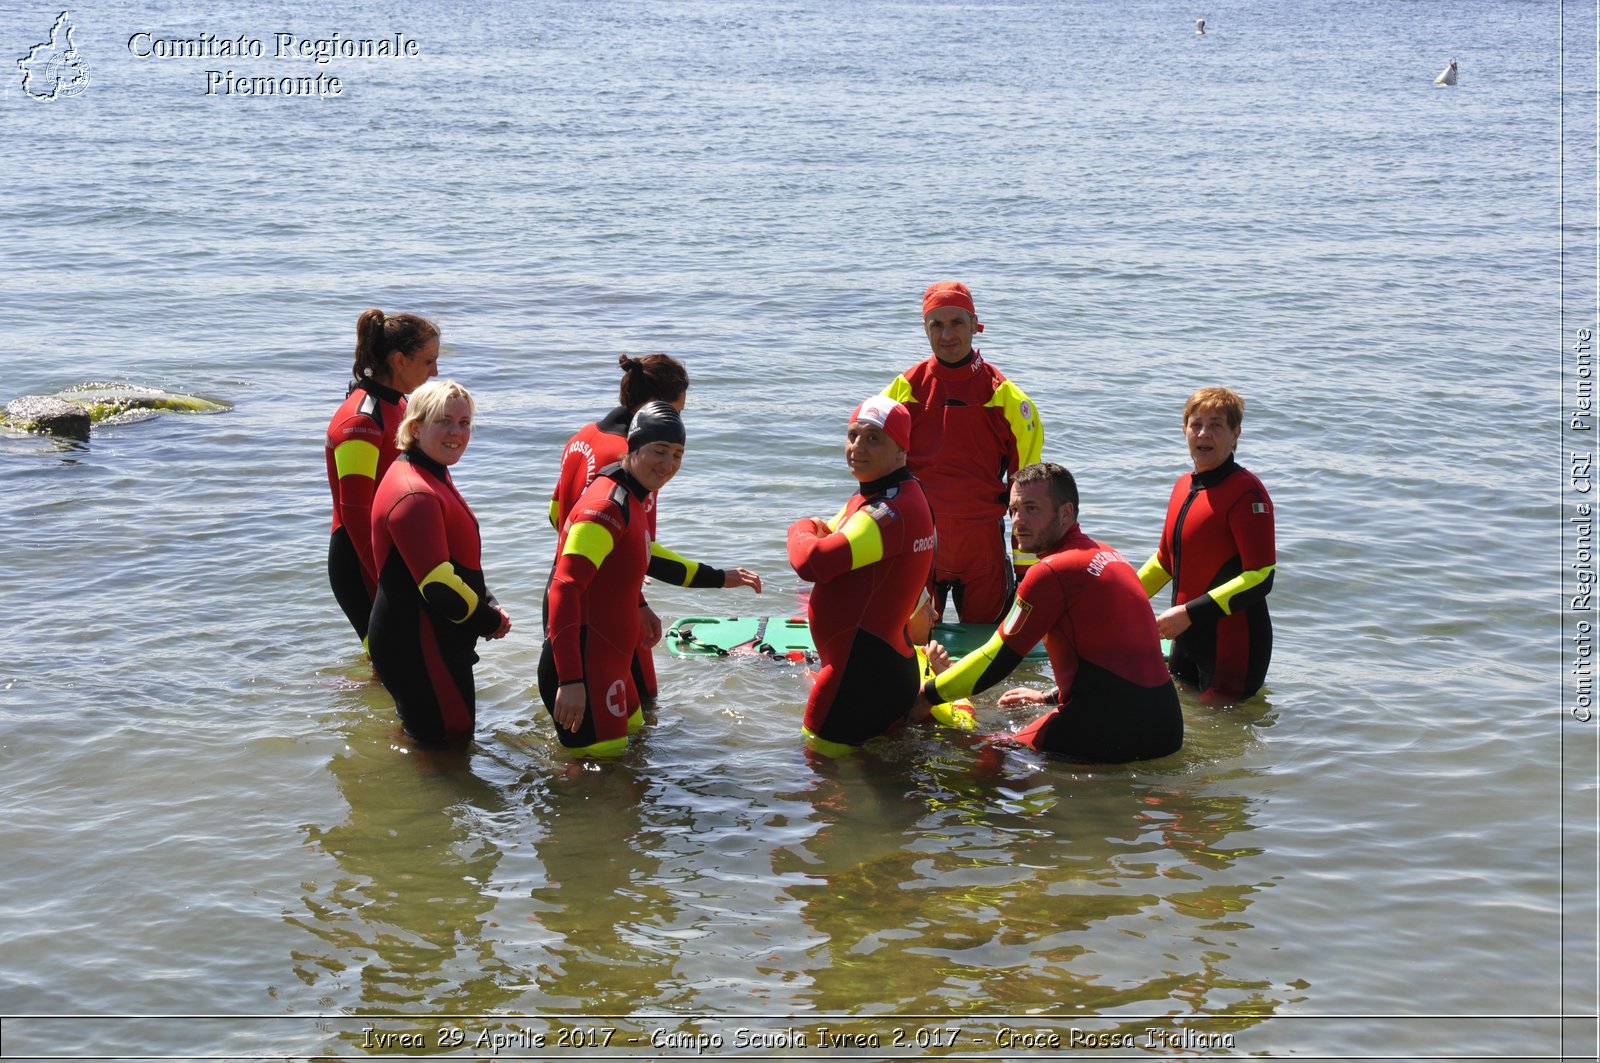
(216, 841)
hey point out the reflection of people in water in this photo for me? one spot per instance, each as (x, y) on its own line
(605, 896)
(400, 926)
(1017, 887)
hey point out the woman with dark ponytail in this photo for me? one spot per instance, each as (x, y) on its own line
(653, 378)
(394, 356)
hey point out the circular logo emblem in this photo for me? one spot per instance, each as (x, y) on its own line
(67, 74)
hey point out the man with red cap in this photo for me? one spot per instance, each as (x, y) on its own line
(870, 564)
(971, 430)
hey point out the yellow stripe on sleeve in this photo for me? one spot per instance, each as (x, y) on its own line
(900, 391)
(356, 457)
(1023, 417)
(666, 554)
(866, 541)
(1153, 576)
(444, 574)
(590, 540)
(1244, 581)
(959, 679)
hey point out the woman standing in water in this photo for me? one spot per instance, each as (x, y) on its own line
(653, 378)
(594, 609)
(1219, 551)
(394, 356)
(432, 605)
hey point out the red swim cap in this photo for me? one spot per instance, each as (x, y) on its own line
(950, 293)
(887, 414)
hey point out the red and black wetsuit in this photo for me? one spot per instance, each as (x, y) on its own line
(591, 449)
(971, 430)
(1218, 548)
(360, 449)
(869, 570)
(432, 605)
(592, 609)
(1116, 701)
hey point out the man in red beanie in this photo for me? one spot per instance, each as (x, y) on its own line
(971, 430)
(870, 564)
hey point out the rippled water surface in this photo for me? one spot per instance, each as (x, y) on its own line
(210, 809)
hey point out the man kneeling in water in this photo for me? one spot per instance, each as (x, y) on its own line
(1114, 701)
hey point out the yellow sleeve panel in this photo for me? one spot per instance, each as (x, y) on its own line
(866, 542)
(1224, 594)
(1023, 417)
(960, 678)
(900, 391)
(954, 714)
(444, 575)
(833, 524)
(555, 513)
(689, 567)
(356, 457)
(590, 540)
(1153, 576)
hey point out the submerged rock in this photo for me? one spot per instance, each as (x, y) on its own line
(124, 403)
(48, 414)
(70, 413)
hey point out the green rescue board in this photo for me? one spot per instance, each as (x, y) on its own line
(790, 639)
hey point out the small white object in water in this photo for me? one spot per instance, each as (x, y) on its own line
(1200, 27)
(1447, 76)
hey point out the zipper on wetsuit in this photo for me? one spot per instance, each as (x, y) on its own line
(1177, 536)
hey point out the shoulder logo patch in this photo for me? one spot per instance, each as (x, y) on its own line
(1020, 611)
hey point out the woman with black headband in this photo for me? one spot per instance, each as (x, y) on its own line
(594, 604)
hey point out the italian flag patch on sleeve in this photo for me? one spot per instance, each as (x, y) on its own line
(1016, 618)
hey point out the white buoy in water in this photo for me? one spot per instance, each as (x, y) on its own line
(1447, 76)
(1199, 27)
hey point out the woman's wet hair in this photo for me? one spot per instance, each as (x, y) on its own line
(378, 336)
(653, 378)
